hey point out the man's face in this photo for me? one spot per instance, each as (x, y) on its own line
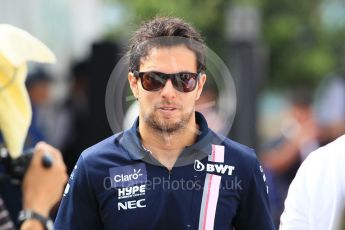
(167, 110)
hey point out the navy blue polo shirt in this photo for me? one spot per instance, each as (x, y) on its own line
(216, 183)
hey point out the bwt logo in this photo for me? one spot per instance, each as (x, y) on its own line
(214, 167)
(128, 177)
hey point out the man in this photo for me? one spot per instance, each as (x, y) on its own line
(169, 171)
(286, 153)
(316, 197)
(42, 186)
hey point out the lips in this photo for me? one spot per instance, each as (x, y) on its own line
(167, 108)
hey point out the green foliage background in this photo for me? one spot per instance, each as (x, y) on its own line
(302, 48)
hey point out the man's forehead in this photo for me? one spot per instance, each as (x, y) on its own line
(171, 58)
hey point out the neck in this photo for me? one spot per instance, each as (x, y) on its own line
(166, 147)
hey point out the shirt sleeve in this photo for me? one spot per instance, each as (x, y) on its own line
(295, 215)
(254, 211)
(78, 208)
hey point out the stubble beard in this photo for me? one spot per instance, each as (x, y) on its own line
(167, 127)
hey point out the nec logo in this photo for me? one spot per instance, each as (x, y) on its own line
(214, 167)
(131, 204)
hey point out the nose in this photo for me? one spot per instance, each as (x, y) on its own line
(168, 91)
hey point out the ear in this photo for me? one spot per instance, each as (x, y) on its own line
(133, 83)
(200, 85)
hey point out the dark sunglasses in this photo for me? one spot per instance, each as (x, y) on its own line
(154, 81)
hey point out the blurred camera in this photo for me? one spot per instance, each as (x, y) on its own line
(14, 169)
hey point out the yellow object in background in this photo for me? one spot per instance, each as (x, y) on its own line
(17, 47)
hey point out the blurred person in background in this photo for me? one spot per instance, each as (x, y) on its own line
(104, 56)
(82, 119)
(207, 105)
(316, 196)
(38, 86)
(77, 114)
(330, 107)
(300, 136)
(42, 186)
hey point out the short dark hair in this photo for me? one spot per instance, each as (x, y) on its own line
(175, 32)
(302, 96)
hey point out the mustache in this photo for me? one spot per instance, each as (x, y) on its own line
(167, 103)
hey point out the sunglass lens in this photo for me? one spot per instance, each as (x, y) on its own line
(185, 82)
(152, 81)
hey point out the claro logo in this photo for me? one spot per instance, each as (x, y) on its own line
(128, 177)
(214, 167)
